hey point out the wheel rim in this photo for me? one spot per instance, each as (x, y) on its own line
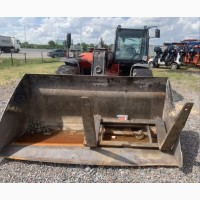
(174, 66)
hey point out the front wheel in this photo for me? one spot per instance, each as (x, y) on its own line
(67, 69)
(174, 66)
(155, 64)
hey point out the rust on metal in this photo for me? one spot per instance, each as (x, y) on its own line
(160, 131)
(176, 128)
(88, 122)
(73, 119)
(103, 156)
(57, 138)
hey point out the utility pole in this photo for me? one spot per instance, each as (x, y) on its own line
(199, 28)
(25, 36)
(81, 36)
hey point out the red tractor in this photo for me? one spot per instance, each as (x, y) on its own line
(128, 58)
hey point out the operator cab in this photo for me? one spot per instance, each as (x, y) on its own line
(131, 45)
(131, 48)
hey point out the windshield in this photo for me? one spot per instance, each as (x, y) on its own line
(131, 45)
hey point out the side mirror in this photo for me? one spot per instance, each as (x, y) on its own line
(157, 33)
(119, 28)
(68, 45)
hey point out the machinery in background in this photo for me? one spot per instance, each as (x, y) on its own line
(168, 56)
(129, 57)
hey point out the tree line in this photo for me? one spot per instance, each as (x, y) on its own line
(53, 45)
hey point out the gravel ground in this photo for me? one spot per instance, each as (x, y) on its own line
(24, 171)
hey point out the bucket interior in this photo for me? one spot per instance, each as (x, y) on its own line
(46, 109)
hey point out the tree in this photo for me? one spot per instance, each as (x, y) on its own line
(105, 45)
(84, 46)
(91, 45)
(24, 44)
(51, 43)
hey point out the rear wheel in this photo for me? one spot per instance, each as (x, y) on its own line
(142, 72)
(7, 51)
(66, 69)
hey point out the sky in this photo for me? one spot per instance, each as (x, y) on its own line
(40, 30)
(39, 22)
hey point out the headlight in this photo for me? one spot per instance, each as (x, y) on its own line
(98, 70)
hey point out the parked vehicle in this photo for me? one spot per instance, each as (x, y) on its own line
(169, 57)
(9, 44)
(56, 53)
(174, 65)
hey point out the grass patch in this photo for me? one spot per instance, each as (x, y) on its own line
(13, 73)
(184, 77)
(187, 77)
(7, 62)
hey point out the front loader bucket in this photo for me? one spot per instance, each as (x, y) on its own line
(114, 121)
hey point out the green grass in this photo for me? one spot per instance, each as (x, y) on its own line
(184, 77)
(8, 74)
(7, 62)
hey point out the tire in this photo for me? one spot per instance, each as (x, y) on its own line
(7, 51)
(142, 72)
(174, 66)
(151, 64)
(155, 62)
(155, 65)
(66, 69)
(55, 56)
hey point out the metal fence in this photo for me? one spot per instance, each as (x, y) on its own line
(26, 57)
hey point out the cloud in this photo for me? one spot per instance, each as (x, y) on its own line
(90, 29)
